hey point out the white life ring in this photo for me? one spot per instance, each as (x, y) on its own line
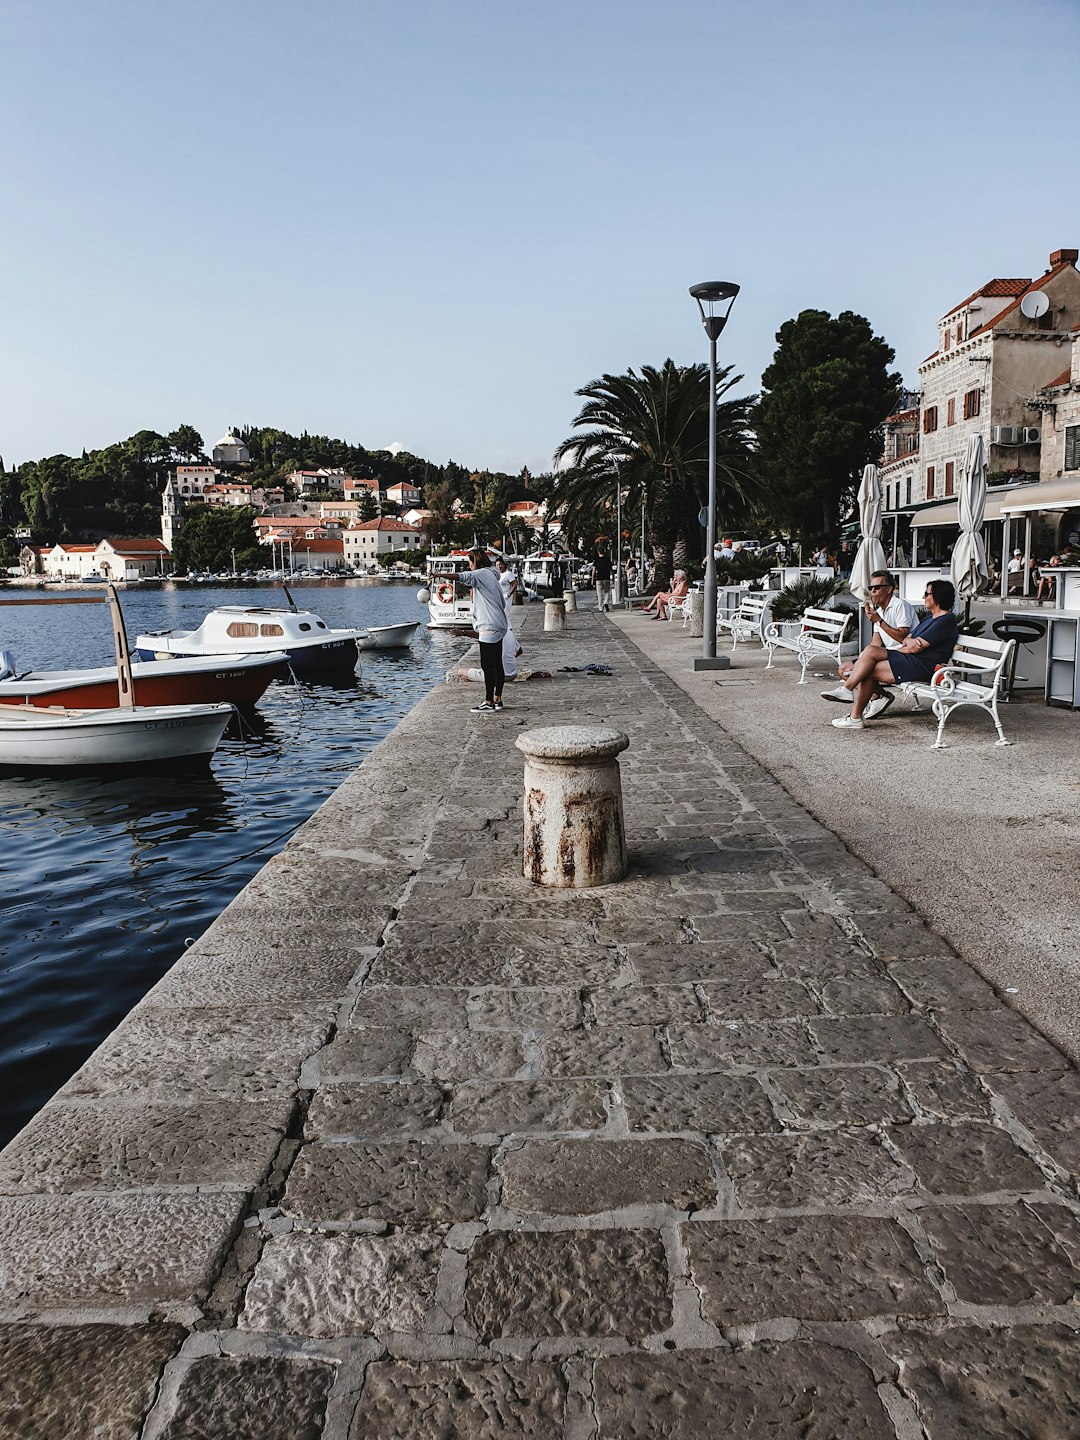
(444, 594)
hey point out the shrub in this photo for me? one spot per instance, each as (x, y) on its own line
(747, 565)
(810, 593)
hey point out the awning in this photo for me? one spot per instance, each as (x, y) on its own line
(1052, 495)
(949, 513)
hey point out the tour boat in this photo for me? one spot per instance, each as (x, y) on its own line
(59, 738)
(449, 605)
(307, 640)
(235, 680)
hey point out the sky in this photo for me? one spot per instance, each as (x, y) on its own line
(427, 223)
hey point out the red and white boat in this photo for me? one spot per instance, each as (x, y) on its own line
(208, 680)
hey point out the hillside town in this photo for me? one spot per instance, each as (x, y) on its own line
(1005, 366)
(335, 523)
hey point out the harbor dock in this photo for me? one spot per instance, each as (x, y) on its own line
(769, 1139)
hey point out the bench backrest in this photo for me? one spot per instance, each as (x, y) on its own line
(828, 625)
(984, 658)
(753, 605)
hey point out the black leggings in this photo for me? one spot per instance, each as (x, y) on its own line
(492, 666)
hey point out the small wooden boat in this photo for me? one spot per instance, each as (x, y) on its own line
(64, 738)
(232, 680)
(32, 737)
(389, 637)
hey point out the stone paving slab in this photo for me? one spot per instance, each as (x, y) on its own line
(407, 1146)
(81, 1380)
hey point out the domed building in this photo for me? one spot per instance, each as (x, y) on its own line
(230, 450)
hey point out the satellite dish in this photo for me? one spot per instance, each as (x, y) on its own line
(1034, 304)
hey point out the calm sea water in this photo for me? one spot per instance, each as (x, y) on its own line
(102, 880)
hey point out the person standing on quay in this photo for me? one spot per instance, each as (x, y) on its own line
(489, 617)
(508, 584)
(602, 579)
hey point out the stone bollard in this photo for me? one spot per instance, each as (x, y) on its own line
(574, 835)
(555, 614)
(570, 600)
(697, 614)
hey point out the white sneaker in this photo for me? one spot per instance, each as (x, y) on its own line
(878, 705)
(839, 692)
(848, 722)
(484, 708)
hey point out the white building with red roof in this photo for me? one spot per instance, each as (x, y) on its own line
(364, 543)
(116, 560)
(996, 350)
(318, 555)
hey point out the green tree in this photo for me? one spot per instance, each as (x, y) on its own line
(209, 536)
(651, 429)
(367, 507)
(185, 442)
(818, 421)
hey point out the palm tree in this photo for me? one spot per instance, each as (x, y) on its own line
(651, 431)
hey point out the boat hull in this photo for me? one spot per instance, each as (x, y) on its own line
(145, 735)
(204, 681)
(310, 658)
(389, 637)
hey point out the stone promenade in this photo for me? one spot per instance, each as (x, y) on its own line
(405, 1147)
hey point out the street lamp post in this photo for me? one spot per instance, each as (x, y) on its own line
(618, 538)
(714, 299)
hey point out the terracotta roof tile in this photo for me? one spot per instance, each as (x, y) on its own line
(1034, 285)
(384, 522)
(136, 547)
(1062, 379)
(994, 289)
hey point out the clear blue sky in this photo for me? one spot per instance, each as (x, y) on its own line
(428, 222)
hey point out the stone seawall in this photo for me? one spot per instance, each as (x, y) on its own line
(406, 1146)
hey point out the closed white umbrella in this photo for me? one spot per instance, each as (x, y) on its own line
(969, 555)
(870, 555)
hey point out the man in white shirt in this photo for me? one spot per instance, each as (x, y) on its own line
(892, 619)
(1016, 572)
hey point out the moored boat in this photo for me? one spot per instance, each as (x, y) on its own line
(389, 637)
(232, 680)
(310, 644)
(59, 738)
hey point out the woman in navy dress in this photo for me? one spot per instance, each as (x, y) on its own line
(928, 645)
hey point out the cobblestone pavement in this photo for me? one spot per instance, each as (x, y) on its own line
(406, 1147)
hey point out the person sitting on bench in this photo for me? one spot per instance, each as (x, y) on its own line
(664, 597)
(929, 645)
(892, 619)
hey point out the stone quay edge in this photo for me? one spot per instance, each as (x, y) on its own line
(405, 1145)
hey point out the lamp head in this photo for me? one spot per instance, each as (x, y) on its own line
(714, 299)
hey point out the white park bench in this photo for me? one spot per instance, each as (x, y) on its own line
(975, 675)
(821, 632)
(749, 620)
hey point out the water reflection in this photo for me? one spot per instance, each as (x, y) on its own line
(102, 879)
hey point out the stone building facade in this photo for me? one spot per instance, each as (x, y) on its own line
(995, 354)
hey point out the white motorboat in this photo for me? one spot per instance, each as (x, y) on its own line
(389, 637)
(57, 738)
(309, 642)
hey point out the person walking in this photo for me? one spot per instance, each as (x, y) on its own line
(602, 579)
(489, 617)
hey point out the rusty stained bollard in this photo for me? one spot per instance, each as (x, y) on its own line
(574, 835)
(570, 599)
(555, 614)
